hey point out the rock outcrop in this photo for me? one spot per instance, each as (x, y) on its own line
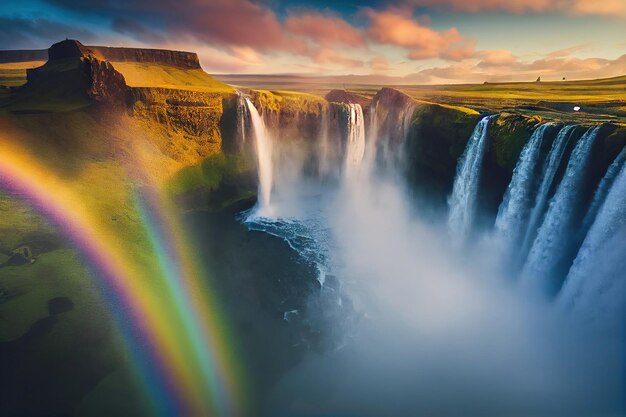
(347, 97)
(179, 59)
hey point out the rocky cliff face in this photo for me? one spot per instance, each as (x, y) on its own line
(195, 115)
(178, 59)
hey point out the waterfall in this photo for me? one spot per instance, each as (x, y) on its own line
(462, 201)
(552, 247)
(603, 189)
(515, 209)
(596, 279)
(264, 157)
(355, 141)
(547, 179)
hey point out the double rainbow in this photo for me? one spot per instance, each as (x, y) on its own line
(171, 325)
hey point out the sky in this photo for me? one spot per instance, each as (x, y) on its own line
(409, 41)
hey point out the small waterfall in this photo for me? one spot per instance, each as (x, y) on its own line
(264, 156)
(387, 133)
(355, 141)
(596, 279)
(515, 209)
(552, 248)
(603, 189)
(547, 179)
(462, 201)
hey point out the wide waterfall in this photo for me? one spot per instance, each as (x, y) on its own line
(355, 140)
(514, 211)
(263, 147)
(552, 248)
(547, 179)
(595, 284)
(462, 201)
(396, 307)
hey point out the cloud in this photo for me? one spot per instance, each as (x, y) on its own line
(379, 64)
(19, 32)
(603, 7)
(500, 66)
(570, 7)
(397, 27)
(496, 58)
(136, 29)
(324, 29)
(218, 22)
(330, 56)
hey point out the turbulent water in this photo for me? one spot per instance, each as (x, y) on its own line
(595, 284)
(516, 206)
(462, 201)
(603, 189)
(420, 329)
(553, 244)
(547, 179)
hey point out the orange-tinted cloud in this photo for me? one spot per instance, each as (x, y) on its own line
(397, 27)
(379, 64)
(576, 7)
(548, 68)
(324, 29)
(496, 58)
(330, 56)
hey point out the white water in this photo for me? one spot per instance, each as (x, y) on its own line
(547, 179)
(514, 211)
(355, 141)
(462, 201)
(595, 285)
(603, 189)
(552, 245)
(430, 332)
(263, 146)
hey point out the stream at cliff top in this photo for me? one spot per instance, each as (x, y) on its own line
(380, 312)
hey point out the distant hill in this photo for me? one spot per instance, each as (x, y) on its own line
(141, 67)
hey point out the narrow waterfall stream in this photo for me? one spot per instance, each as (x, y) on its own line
(462, 201)
(263, 146)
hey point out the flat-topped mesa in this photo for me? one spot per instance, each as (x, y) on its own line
(70, 48)
(179, 59)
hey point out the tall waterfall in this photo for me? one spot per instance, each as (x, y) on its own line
(355, 141)
(514, 211)
(596, 278)
(552, 248)
(462, 201)
(547, 179)
(603, 189)
(264, 156)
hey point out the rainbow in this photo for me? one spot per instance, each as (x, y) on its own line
(175, 336)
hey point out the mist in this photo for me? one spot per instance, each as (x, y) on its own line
(418, 325)
(439, 333)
